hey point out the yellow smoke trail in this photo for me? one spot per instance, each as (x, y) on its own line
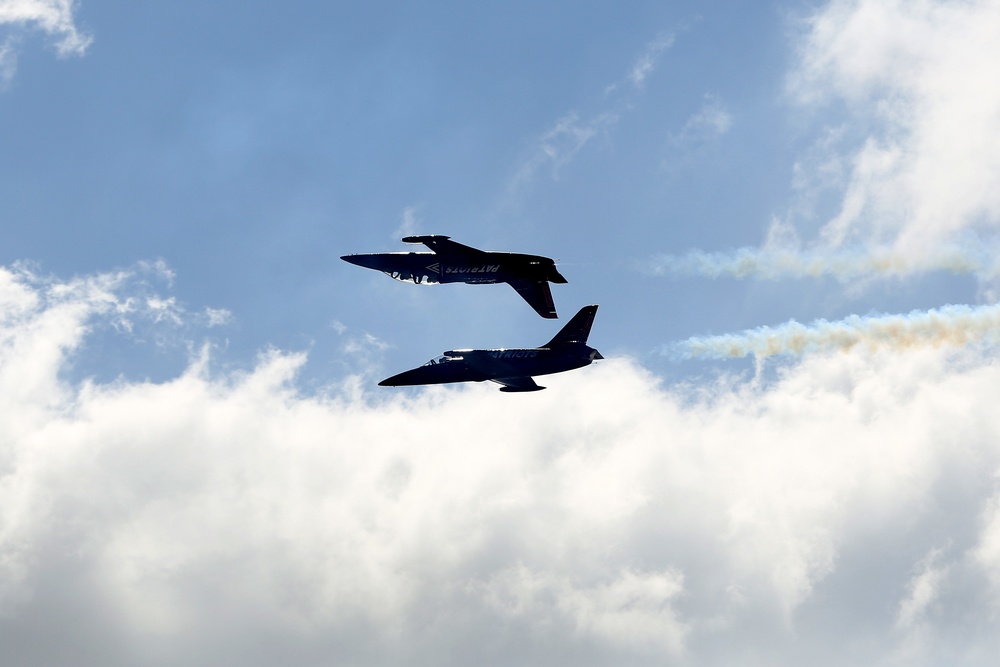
(950, 325)
(841, 263)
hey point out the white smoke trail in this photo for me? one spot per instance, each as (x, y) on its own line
(950, 325)
(842, 263)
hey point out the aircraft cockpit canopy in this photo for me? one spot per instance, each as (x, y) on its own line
(418, 277)
(443, 359)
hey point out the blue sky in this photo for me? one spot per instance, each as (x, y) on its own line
(252, 151)
(788, 215)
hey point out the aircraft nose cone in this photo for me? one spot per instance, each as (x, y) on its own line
(596, 355)
(367, 261)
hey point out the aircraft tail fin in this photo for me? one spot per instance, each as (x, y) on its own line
(577, 330)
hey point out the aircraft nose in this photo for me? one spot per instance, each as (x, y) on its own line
(596, 355)
(367, 261)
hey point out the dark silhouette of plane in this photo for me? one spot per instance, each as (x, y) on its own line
(510, 367)
(453, 262)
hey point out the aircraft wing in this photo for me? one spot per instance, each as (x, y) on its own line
(517, 384)
(443, 244)
(538, 295)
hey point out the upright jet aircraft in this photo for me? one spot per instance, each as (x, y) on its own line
(453, 262)
(510, 367)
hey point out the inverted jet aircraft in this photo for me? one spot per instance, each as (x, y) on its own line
(510, 367)
(453, 262)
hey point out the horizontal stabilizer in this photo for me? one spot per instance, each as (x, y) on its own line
(425, 238)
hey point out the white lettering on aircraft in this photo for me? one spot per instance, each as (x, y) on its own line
(514, 354)
(486, 268)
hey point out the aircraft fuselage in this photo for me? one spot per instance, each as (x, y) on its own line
(430, 267)
(452, 262)
(480, 365)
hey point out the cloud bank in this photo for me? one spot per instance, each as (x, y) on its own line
(52, 17)
(848, 512)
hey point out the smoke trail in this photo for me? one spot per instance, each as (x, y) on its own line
(843, 264)
(950, 325)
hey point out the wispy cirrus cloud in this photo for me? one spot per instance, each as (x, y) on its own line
(648, 60)
(702, 129)
(410, 223)
(560, 144)
(710, 121)
(52, 17)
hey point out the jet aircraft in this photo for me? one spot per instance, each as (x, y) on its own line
(510, 367)
(452, 262)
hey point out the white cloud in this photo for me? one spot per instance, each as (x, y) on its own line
(8, 60)
(911, 147)
(647, 62)
(923, 590)
(987, 553)
(410, 225)
(607, 520)
(700, 132)
(920, 75)
(53, 17)
(217, 317)
(633, 612)
(709, 122)
(558, 146)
